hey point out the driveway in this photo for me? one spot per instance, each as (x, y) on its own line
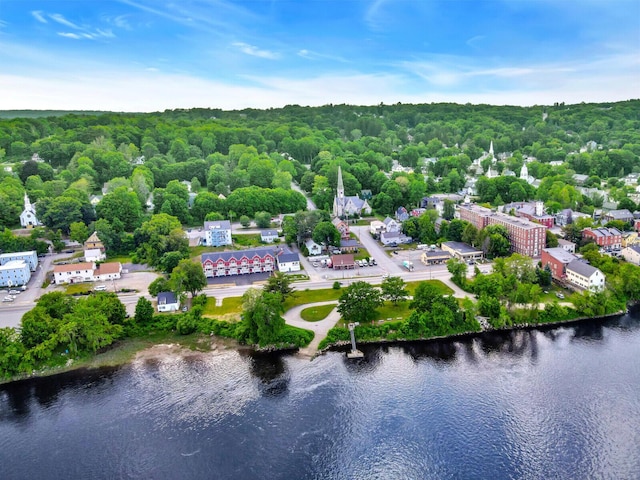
(376, 251)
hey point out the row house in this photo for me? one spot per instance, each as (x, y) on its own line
(606, 238)
(585, 276)
(30, 258)
(240, 262)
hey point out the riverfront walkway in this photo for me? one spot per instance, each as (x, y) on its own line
(320, 328)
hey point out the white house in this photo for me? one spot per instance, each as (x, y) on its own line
(288, 262)
(14, 273)
(167, 302)
(86, 272)
(269, 236)
(217, 234)
(94, 255)
(312, 247)
(28, 217)
(631, 254)
(585, 276)
(391, 225)
(394, 238)
(376, 226)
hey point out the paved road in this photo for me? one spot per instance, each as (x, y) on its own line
(376, 251)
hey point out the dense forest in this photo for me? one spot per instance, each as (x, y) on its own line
(243, 162)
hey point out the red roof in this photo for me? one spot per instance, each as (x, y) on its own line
(342, 260)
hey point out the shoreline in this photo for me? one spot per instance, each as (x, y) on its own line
(129, 351)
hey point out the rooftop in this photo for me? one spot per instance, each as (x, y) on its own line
(218, 225)
(72, 267)
(461, 247)
(560, 254)
(13, 264)
(581, 268)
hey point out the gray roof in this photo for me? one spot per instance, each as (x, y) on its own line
(165, 298)
(560, 254)
(620, 214)
(237, 254)
(219, 224)
(349, 243)
(461, 247)
(269, 233)
(635, 248)
(288, 257)
(581, 268)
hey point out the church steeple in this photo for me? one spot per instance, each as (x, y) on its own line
(491, 148)
(340, 187)
(27, 202)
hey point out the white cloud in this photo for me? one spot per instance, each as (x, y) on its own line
(37, 14)
(63, 21)
(75, 36)
(255, 51)
(311, 55)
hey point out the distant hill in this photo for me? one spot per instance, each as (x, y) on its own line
(46, 113)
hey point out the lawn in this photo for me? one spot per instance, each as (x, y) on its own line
(441, 287)
(119, 258)
(231, 308)
(248, 240)
(302, 297)
(362, 254)
(315, 314)
(78, 288)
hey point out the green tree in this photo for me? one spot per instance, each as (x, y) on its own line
(279, 283)
(325, 233)
(78, 232)
(188, 276)
(144, 311)
(448, 210)
(458, 270)
(359, 302)
(245, 221)
(394, 289)
(160, 284)
(262, 322)
(263, 219)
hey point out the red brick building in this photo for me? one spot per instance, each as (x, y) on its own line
(557, 259)
(605, 238)
(527, 238)
(637, 225)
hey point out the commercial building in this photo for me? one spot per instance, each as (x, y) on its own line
(434, 257)
(462, 251)
(343, 262)
(217, 233)
(14, 273)
(30, 258)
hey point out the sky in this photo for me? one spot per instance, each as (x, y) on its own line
(152, 55)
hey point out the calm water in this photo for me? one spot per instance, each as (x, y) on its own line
(562, 403)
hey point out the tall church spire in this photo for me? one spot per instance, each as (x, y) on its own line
(491, 148)
(340, 187)
(27, 202)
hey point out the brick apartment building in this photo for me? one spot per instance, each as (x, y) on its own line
(606, 238)
(557, 259)
(527, 238)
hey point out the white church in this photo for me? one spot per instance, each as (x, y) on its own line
(28, 217)
(348, 206)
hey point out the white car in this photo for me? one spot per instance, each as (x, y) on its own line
(7, 299)
(385, 275)
(100, 288)
(14, 292)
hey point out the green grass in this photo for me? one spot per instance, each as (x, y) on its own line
(78, 288)
(302, 297)
(315, 314)
(231, 307)
(389, 311)
(362, 254)
(247, 240)
(441, 287)
(119, 258)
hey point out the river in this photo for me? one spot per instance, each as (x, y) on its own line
(551, 403)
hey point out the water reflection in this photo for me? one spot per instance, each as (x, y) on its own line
(272, 373)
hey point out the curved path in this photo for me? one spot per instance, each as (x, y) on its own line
(320, 328)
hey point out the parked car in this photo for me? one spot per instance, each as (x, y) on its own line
(14, 292)
(560, 295)
(385, 275)
(374, 261)
(100, 288)
(7, 299)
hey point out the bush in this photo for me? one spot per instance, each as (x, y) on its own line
(186, 325)
(336, 285)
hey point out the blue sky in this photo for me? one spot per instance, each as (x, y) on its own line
(149, 55)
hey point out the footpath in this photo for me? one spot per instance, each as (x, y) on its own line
(320, 328)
